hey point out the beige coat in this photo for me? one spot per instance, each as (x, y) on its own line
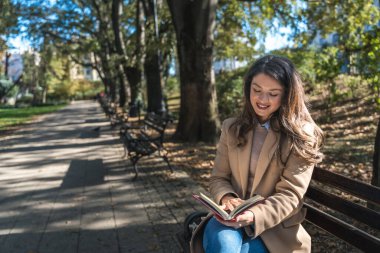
(278, 219)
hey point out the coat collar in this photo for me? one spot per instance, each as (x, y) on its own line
(244, 153)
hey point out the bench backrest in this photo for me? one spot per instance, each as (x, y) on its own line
(324, 183)
(157, 123)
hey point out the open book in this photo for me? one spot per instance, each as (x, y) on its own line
(217, 209)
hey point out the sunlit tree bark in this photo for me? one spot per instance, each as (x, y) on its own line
(194, 24)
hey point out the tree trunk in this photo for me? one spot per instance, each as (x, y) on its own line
(106, 49)
(152, 65)
(140, 53)
(122, 87)
(120, 49)
(153, 83)
(194, 23)
(376, 159)
(108, 80)
(134, 79)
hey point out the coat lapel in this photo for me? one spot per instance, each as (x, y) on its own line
(266, 154)
(244, 155)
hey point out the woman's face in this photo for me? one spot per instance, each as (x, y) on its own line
(266, 96)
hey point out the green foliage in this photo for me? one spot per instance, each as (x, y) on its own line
(230, 39)
(229, 87)
(172, 86)
(242, 26)
(354, 86)
(355, 27)
(84, 89)
(81, 27)
(327, 64)
(304, 60)
(25, 100)
(350, 20)
(5, 85)
(8, 21)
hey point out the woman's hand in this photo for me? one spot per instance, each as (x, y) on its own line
(244, 219)
(229, 202)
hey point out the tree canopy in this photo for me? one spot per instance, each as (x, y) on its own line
(136, 46)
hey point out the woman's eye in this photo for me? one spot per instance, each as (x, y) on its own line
(273, 95)
(256, 90)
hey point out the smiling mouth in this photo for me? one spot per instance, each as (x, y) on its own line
(262, 107)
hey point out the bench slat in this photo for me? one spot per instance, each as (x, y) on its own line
(343, 230)
(356, 211)
(154, 125)
(359, 189)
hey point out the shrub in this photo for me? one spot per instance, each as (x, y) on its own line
(229, 87)
(25, 100)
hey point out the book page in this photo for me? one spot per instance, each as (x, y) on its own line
(210, 204)
(216, 209)
(245, 205)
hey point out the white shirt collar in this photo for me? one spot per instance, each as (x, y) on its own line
(266, 125)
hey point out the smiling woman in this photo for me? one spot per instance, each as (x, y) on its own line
(269, 150)
(266, 96)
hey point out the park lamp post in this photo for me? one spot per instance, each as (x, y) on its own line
(7, 56)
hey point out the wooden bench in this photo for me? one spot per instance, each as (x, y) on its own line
(145, 140)
(114, 113)
(118, 116)
(354, 221)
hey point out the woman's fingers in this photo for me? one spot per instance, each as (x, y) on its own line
(230, 206)
(233, 223)
(232, 203)
(246, 216)
(237, 201)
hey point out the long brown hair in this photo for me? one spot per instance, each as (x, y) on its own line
(292, 119)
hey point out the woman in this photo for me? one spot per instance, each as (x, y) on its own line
(270, 150)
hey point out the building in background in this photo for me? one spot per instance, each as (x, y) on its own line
(88, 73)
(227, 65)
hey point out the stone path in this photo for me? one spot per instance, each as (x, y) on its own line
(66, 187)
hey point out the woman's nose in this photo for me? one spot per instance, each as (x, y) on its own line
(264, 97)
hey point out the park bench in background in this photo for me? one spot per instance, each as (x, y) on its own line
(118, 116)
(114, 113)
(355, 221)
(145, 140)
(106, 105)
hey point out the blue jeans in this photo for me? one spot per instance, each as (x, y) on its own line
(218, 238)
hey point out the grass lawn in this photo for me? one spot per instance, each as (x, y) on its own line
(14, 116)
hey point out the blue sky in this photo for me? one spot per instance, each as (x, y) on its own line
(18, 44)
(272, 42)
(277, 40)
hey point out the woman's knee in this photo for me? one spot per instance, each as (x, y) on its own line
(220, 238)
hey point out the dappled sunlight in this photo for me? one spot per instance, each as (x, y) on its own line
(350, 137)
(71, 183)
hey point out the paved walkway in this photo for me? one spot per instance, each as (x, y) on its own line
(65, 187)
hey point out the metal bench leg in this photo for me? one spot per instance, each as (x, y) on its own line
(167, 161)
(125, 151)
(136, 171)
(165, 158)
(134, 160)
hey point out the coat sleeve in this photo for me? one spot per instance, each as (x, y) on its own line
(287, 198)
(220, 181)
